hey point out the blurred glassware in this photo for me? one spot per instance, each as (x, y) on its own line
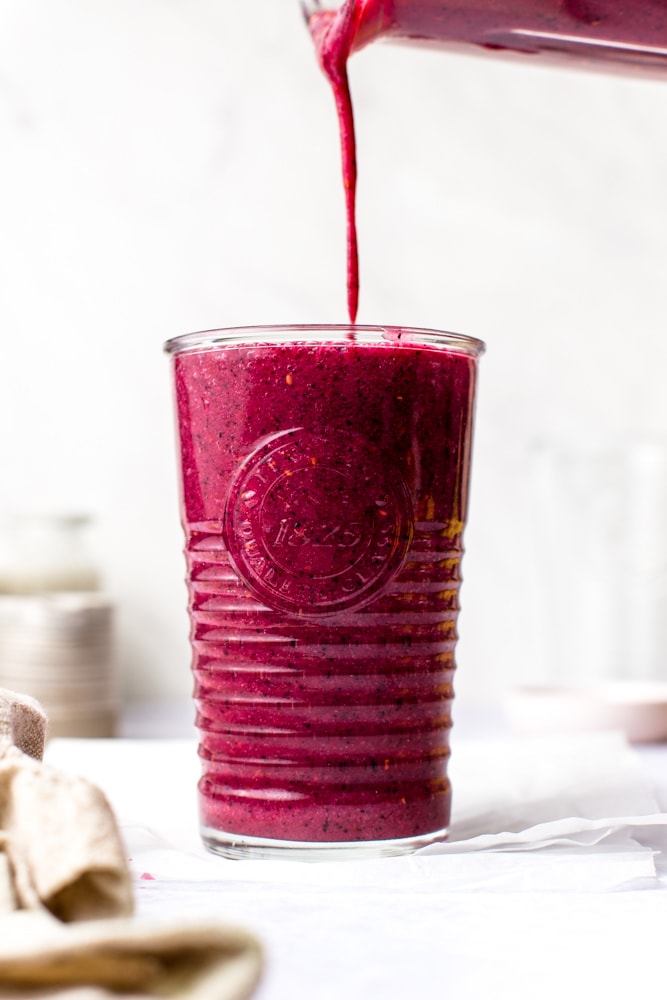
(41, 553)
(601, 519)
(602, 536)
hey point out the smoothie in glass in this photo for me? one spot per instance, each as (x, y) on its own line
(324, 476)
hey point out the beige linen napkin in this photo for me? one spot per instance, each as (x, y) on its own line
(66, 900)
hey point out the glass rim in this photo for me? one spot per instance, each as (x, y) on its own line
(344, 332)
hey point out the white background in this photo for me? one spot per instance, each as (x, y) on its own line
(173, 166)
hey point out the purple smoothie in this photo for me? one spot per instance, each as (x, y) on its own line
(324, 493)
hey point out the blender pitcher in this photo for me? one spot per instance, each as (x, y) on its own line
(597, 33)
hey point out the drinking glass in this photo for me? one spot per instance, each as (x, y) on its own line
(324, 485)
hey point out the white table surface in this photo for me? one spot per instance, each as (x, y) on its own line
(395, 929)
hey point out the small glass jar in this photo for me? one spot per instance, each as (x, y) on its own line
(43, 553)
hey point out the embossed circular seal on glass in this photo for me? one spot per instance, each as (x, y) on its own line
(315, 526)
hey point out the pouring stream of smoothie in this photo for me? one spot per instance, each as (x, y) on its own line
(588, 33)
(333, 35)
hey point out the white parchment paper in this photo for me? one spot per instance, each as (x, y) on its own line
(551, 885)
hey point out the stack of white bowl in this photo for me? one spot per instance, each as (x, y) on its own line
(56, 629)
(58, 649)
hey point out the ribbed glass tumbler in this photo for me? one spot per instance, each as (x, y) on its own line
(324, 485)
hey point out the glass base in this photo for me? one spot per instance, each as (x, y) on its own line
(239, 848)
